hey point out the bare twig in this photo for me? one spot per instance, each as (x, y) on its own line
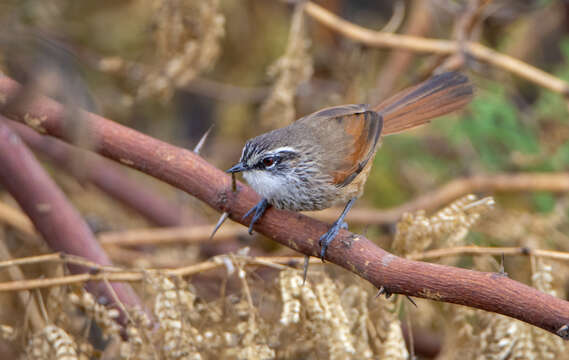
(479, 250)
(27, 301)
(187, 171)
(435, 46)
(553, 182)
(164, 236)
(464, 27)
(59, 258)
(397, 17)
(418, 23)
(140, 274)
(16, 219)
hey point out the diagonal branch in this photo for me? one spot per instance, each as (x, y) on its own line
(53, 216)
(189, 172)
(436, 46)
(103, 174)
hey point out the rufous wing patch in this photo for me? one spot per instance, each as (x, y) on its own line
(364, 130)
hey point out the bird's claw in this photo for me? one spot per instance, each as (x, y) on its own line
(327, 238)
(258, 211)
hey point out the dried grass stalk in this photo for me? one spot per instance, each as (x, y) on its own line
(187, 35)
(290, 70)
(416, 232)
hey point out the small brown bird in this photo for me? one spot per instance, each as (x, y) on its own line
(324, 159)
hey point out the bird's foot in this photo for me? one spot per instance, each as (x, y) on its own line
(327, 238)
(258, 211)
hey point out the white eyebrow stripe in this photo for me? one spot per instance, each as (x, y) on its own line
(284, 148)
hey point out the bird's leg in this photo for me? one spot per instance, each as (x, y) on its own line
(327, 238)
(258, 211)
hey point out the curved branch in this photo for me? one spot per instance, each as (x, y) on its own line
(53, 216)
(189, 172)
(435, 46)
(103, 174)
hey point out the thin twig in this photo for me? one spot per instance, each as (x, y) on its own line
(58, 258)
(163, 236)
(28, 302)
(436, 46)
(134, 275)
(418, 23)
(16, 219)
(479, 250)
(553, 182)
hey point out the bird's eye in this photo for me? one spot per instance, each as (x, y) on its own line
(269, 161)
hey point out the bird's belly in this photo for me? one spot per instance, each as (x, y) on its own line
(318, 194)
(310, 199)
(292, 195)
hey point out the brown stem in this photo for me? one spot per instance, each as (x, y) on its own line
(436, 46)
(554, 182)
(187, 171)
(104, 175)
(168, 236)
(53, 216)
(419, 23)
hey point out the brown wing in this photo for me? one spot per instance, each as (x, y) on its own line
(437, 96)
(350, 134)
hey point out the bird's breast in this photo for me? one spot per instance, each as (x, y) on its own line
(296, 194)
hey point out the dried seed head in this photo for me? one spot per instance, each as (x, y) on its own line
(104, 317)
(52, 343)
(416, 232)
(290, 70)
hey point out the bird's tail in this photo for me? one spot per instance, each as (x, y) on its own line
(417, 105)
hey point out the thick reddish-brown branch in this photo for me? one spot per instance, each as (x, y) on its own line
(103, 174)
(53, 216)
(187, 171)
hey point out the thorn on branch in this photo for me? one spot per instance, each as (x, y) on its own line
(563, 332)
(502, 271)
(220, 222)
(305, 268)
(411, 300)
(382, 290)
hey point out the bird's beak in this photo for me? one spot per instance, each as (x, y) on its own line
(236, 168)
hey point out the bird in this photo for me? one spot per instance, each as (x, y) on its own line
(324, 159)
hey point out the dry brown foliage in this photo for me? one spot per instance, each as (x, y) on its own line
(256, 313)
(237, 306)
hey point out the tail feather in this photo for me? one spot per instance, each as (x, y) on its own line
(417, 105)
